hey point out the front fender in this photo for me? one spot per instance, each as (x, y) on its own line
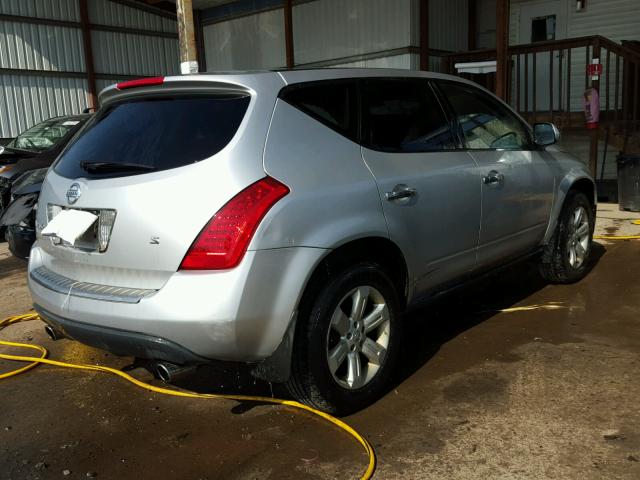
(572, 176)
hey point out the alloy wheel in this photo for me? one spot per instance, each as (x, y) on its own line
(578, 238)
(358, 337)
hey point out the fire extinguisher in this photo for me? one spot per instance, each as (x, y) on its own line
(592, 108)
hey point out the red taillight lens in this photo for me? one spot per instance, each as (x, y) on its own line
(140, 82)
(224, 240)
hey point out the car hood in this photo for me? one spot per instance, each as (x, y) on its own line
(9, 156)
(24, 164)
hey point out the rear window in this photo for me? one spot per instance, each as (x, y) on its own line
(157, 134)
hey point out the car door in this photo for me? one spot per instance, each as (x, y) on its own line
(517, 179)
(429, 190)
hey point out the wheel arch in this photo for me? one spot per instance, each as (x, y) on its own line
(374, 249)
(583, 184)
(381, 250)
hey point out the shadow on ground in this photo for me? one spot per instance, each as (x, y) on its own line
(426, 329)
(10, 265)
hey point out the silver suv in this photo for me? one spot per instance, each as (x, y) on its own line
(287, 219)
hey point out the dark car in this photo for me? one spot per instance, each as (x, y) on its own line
(35, 148)
(20, 216)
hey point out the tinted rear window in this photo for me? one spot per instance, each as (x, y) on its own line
(403, 115)
(161, 133)
(333, 103)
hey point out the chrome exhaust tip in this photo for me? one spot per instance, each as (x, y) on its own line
(169, 372)
(53, 333)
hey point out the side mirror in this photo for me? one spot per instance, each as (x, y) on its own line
(1, 149)
(545, 134)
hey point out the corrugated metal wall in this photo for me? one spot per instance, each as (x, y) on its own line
(448, 25)
(104, 12)
(249, 42)
(40, 47)
(333, 29)
(52, 9)
(371, 33)
(486, 24)
(119, 53)
(128, 54)
(29, 99)
(42, 67)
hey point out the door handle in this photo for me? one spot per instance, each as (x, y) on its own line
(493, 178)
(399, 192)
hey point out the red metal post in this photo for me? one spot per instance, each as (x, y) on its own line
(502, 47)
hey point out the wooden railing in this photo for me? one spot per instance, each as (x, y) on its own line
(548, 81)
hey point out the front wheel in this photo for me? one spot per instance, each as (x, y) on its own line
(566, 258)
(346, 347)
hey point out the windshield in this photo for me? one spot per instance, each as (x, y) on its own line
(139, 136)
(44, 136)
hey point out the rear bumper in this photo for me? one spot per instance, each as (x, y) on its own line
(240, 314)
(121, 342)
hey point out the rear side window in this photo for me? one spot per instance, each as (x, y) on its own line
(403, 115)
(333, 103)
(485, 122)
(157, 134)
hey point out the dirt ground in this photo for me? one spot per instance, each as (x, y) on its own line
(482, 394)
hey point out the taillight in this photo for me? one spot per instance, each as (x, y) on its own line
(140, 82)
(224, 240)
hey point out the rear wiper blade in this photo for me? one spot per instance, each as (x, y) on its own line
(114, 167)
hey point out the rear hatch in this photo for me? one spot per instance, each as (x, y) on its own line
(154, 165)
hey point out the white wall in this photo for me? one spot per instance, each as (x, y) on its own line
(614, 19)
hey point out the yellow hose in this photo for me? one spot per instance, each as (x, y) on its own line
(34, 361)
(616, 237)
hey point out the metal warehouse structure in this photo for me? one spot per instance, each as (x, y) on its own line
(55, 55)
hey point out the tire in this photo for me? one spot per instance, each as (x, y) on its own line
(562, 260)
(333, 387)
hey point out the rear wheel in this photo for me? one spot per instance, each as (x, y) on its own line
(346, 346)
(566, 258)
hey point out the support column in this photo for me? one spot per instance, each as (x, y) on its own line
(199, 31)
(424, 34)
(502, 47)
(88, 54)
(288, 33)
(472, 27)
(594, 133)
(187, 38)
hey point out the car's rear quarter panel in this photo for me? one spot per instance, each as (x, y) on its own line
(334, 197)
